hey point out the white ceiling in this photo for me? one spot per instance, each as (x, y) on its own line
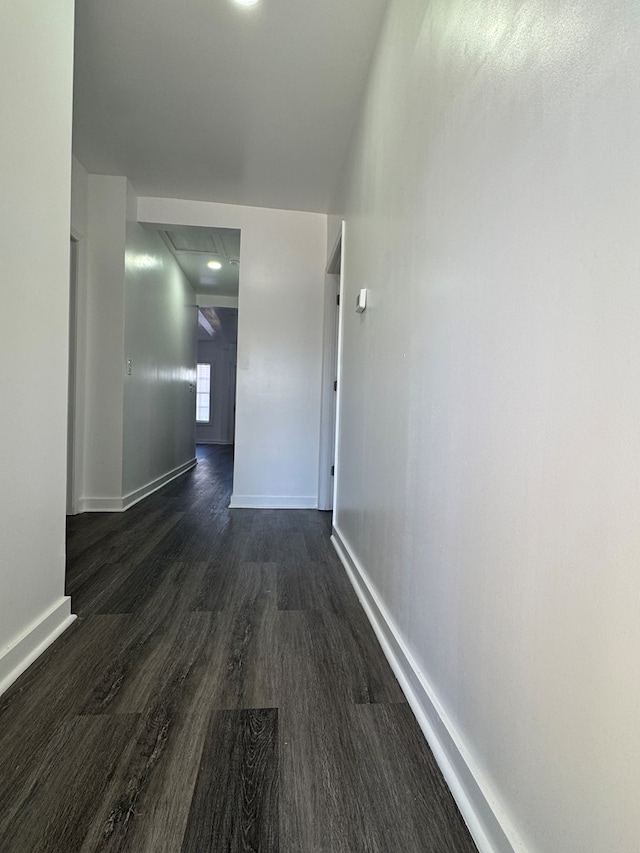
(204, 100)
(193, 247)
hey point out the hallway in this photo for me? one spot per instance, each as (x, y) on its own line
(221, 690)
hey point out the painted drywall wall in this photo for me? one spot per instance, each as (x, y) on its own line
(79, 199)
(280, 314)
(222, 357)
(134, 302)
(160, 332)
(489, 475)
(36, 50)
(78, 343)
(105, 305)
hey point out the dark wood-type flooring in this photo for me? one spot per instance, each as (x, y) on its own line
(221, 690)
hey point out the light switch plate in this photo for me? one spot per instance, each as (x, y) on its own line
(361, 300)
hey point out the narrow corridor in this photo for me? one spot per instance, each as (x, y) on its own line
(221, 690)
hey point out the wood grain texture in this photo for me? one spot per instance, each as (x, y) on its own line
(406, 790)
(235, 802)
(55, 804)
(222, 690)
(52, 691)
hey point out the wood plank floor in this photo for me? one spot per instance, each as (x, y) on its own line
(221, 690)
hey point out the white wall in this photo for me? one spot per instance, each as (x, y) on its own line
(104, 393)
(138, 429)
(79, 199)
(489, 488)
(78, 343)
(36, 49)
(280, 312)
(160, 339)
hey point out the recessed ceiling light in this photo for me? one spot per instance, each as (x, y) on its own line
(214, 265)
(246, 2)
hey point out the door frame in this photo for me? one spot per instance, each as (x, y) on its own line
(330, 376)
(76, 376)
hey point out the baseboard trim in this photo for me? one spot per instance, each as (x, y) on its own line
(128, 500)
(144, 491)
(101, 505)
(15, 659)
(214, 441)
(489, 826)
(273, 502)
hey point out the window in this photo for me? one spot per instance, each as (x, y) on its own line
(203, 393)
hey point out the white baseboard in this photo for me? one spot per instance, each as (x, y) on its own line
(144, 491)
(273, 502)
(101, 505)
(128, 500)
(32, 642)
(487, 823)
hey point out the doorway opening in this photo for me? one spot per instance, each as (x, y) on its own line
(209, 257)
(216, 375)
(327, 475)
